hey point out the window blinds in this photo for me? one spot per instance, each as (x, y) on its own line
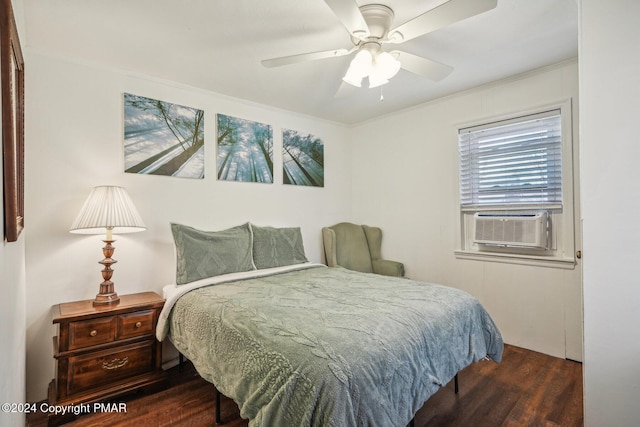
(517, 162)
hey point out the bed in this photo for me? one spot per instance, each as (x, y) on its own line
(302, 344)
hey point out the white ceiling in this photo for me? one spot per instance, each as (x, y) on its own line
(218, 46)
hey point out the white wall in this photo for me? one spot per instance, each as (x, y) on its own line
(405, 180)
(12, 306)
(610, 149)
(75, 142)
(12, 324)
(12, 327)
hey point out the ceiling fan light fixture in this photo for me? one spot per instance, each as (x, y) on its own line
(362, 63)
(376, 81)
(359, 68)
(378, 66)
(352, 79)
(386, 65)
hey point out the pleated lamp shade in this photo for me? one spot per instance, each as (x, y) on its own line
(108, 207)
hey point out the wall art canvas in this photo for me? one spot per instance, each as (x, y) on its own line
(302, 159)
(162, 138)
(245, 150)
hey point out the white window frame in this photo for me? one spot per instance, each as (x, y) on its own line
(561, 252)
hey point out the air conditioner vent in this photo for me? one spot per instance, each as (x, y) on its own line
(521, 230)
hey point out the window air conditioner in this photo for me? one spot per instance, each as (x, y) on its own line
(520, 230)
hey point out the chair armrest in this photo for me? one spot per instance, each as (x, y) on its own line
(388, 268)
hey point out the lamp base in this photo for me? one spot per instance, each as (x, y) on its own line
(107, 294)
(106, 299)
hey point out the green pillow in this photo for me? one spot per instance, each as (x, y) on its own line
(202, 254)
(275, 247)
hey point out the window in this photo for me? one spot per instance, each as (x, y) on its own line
(514, 169)
(513, 163)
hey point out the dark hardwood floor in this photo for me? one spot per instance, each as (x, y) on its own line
(526, 389)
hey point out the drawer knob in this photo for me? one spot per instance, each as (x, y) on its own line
(115, 364)
(94, 333)
(138, 324)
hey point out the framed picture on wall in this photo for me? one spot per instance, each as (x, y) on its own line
(12, 85)
(302, 159)
(245, 150)
(162, 138)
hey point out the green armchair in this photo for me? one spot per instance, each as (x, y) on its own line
(357, 247)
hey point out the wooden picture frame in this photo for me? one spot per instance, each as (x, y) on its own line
(12, 86)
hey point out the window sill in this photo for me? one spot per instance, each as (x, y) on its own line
(538, 261)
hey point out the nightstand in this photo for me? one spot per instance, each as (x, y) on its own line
(103, 352)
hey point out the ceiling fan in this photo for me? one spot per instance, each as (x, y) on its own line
(370, 30)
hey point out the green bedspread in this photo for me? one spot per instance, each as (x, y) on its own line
(331, 347)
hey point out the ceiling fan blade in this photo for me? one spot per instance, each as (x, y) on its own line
(304, 57)
(422, 66)
(441, 16)
(349, 14)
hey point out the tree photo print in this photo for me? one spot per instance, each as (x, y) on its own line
(162, 138)
(302, 159)
(245, 150)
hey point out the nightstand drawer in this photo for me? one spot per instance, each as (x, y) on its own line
(136, 324)
(86, 333)
(94, 370)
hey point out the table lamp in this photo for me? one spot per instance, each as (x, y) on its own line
(107, 209)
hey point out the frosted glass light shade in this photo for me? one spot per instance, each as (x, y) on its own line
(361, 64)
(353, 78)
(376, 80)
(386, 65)
(359, 68)
(108, 207)
(379, 68)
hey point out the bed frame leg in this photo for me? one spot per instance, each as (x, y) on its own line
(218, 411)
(455, 383)
(412, 423)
